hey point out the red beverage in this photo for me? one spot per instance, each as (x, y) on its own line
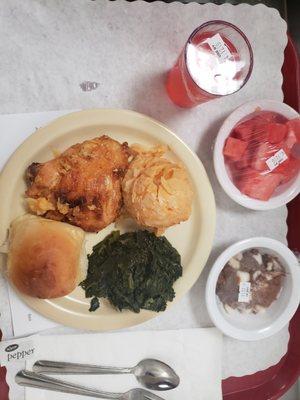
(216, 61)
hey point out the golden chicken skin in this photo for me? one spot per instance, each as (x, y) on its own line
(81, 186)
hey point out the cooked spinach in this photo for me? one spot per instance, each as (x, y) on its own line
(135, 270)
(94, 304)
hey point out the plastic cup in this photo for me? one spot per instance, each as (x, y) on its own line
(216, 61)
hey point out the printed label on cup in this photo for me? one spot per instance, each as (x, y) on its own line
(277, 159)
(244, 292)
(216, 43)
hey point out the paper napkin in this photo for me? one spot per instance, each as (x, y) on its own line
(195, 355)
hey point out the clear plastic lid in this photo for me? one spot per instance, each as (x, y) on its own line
(262, 153)
(219, 57)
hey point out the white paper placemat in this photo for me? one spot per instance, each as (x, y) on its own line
(126, 49)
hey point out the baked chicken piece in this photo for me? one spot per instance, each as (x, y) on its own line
(81, 186)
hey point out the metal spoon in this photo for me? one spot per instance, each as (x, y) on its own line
(32, 379)
(152, 374)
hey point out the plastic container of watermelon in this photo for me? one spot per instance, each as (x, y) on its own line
(256, 154)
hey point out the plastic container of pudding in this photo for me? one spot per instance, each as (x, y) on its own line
(249, 326)
(284, 192)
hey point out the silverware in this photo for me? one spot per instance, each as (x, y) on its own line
(152, 374)
(33, 379)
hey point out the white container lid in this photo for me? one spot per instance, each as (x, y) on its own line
(284, 193)
(250, 327)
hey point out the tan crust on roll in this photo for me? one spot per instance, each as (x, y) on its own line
(44, 257)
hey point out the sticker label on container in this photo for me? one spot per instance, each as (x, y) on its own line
(218, 46)
(277, 159)
(244, 292)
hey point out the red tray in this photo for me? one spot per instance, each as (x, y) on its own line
(273, 382)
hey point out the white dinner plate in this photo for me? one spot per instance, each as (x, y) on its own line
(193, 238)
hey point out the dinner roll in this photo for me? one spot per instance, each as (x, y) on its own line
(45, 258)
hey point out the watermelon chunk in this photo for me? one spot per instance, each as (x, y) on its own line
(234, 148)
(271, 116)
(255, 127)
(259, 186)
(244, 130)
(261, 122)
(290, 140)
(276, 132)
(264, 151)
(288, 169)
(246, 160)
(294, 126)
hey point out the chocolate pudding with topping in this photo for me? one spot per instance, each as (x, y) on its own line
(250, 281)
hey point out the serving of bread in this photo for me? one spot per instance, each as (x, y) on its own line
(46, 259)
